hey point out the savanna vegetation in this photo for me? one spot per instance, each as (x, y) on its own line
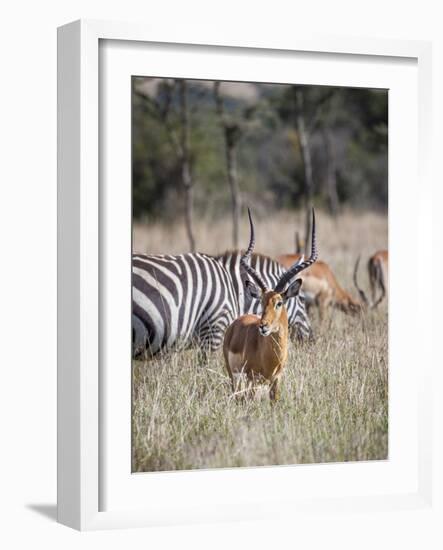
(334, 398)
(202, 151)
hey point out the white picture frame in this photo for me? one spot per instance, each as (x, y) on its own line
(80, 257)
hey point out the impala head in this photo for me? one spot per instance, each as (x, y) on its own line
(273, 305)
(287, 287)
(351, 306)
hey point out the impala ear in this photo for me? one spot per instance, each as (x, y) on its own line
(252, 289)
(292, 290)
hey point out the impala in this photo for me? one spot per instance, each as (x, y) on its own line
(378, 274)
(378, 277)
(321, 287)
(257, 347)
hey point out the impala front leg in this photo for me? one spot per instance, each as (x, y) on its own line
(274, 391)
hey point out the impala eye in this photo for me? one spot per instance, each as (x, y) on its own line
(278, 304)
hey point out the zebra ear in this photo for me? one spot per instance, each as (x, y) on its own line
(252, 289)
(292, 290)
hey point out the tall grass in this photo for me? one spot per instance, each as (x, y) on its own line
(334, 392)
(351, 232)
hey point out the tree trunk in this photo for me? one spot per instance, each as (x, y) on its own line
(231, 132)
(231, 164)
(185, 164)
(307, 165)
(331, 177)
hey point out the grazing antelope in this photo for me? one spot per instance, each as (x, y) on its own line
(378, 270)
(257, 347)
(378, 275)
(321, 287)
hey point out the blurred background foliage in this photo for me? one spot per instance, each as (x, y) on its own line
(290, 144)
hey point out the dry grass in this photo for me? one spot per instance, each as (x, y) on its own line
(334, 399)
(351, 233)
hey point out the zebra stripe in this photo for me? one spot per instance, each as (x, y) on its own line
(179, 300)
(192, 298)
(271, 272)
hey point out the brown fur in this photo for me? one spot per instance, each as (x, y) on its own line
(261, 358)
(319, 282)
(378, 275)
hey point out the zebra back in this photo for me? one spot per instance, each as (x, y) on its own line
(270, 271)
(180, 300)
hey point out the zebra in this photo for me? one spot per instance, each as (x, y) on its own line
(191, 299)
(178, 301)
(271, 272)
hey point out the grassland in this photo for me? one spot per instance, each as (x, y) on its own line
(334, 398)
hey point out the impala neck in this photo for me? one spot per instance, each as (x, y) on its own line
(280, 337)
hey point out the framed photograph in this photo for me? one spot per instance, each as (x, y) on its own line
(232, 334)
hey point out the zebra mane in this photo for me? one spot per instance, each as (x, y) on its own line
(240, 252)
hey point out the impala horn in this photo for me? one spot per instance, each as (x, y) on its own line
(298, 245)
(246, 258)
(298, 266)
